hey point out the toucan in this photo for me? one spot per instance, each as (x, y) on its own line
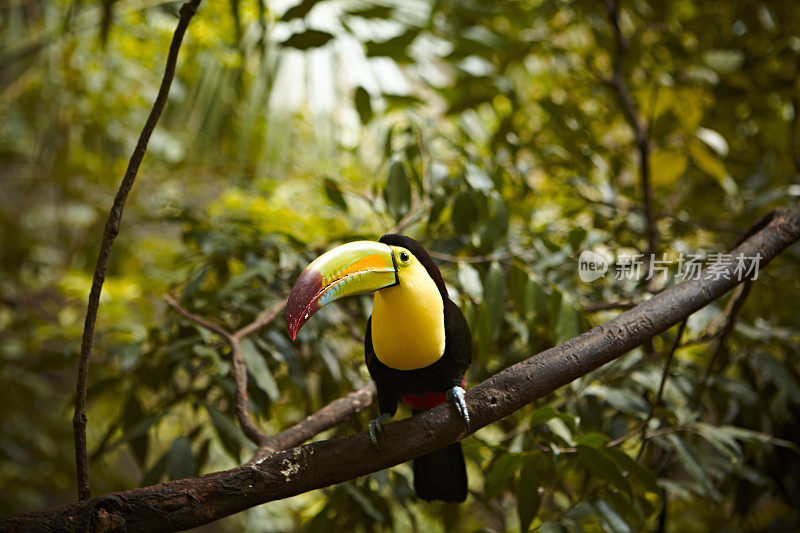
(417, 344)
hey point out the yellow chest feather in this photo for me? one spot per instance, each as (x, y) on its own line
(408, 322)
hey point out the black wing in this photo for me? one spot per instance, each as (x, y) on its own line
(459, 339)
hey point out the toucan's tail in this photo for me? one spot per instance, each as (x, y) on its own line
(441, 475)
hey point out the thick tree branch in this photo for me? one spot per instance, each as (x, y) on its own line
(110, 232)
(185, 503)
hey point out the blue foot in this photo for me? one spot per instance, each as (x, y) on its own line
(375, 427)
(457, 395)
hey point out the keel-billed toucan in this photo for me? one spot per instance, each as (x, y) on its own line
(417, 344)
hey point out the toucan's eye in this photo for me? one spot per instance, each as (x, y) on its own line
(405, 257)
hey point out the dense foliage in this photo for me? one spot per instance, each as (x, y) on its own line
(495, 133)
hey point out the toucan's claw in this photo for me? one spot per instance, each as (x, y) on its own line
(375, 427)
(457, 395)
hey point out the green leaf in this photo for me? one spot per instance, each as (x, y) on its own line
(137, 430)
(483, 329)
(537, 298)
(623, 400)
(712, 165)
(180, 460)
(602, 467)
(470, 281)
(363, 502)
(257, 368)
(398, 191)
(517, 287)
(547, 413)
(536, 471)
(334, 194)
(363, 105)
(465, 212)
(400, 101)
(561, 430)
(387, 143)
(593, 438)
(156, 472)
(756, 436)
(778, 374)
(714, 140)
(568, 324)
(495, 296)
(496, 228)
(394, 47)
(636, 471)
(372, 12)
(667, 165)
(138, 442)
(202, 457)
(308, 39)
(478, 178)
(298, 11)
(233, 440)
(439, 202)
(499, 473)
(551, 527)
(576, 236)
(723, 441)
(724, 61)
(611, 518)
(691, 465)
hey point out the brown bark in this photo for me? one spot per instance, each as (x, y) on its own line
(187, 503)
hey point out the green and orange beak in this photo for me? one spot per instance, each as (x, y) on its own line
(354, 268)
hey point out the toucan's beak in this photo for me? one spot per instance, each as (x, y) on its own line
(354, 268)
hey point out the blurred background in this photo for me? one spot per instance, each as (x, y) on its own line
(497, 134)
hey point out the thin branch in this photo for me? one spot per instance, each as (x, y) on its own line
(412, 216)
(242, 397)
(264, 317)
(719, 324)
(660, 393)
(731, 312)
(327, 417)
(188, 315)
(110, 232)
(640, 129)
(332, 414)
(249, 427)
(186, 503)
